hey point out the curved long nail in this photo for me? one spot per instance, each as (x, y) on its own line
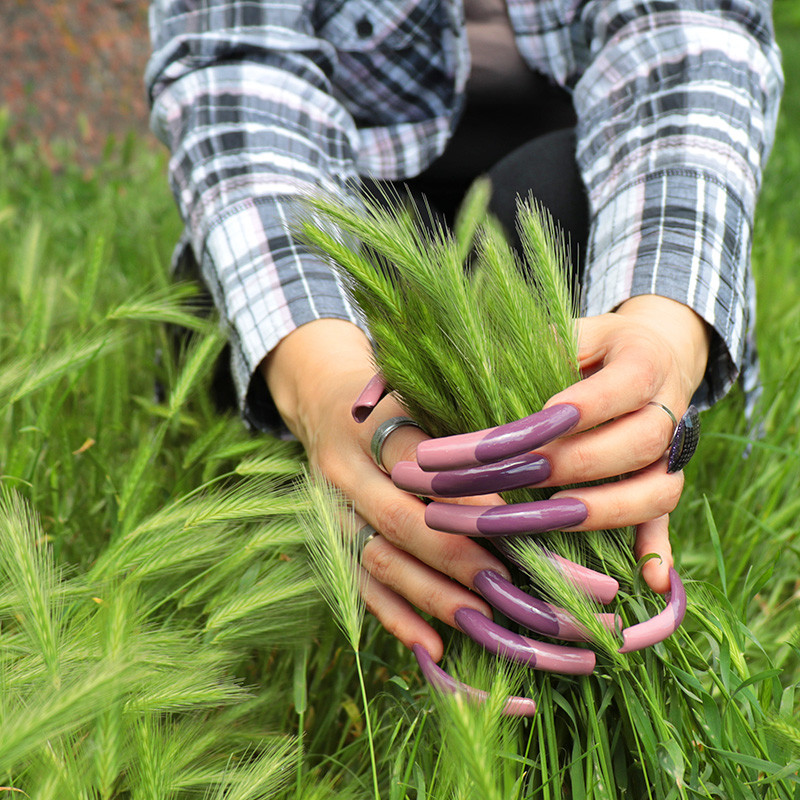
(665, 623)
(505, 441)
(439, 679)
(684, 440)
(513, 646)
(595, 585)
(533, 613)
(375, 390)
(544, 515)
(525, 470)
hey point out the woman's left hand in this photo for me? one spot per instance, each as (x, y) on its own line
(651, 352)
(651, 349)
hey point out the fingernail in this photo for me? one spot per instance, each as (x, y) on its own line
(515, 604)
(534, 613)
(514, 473)
(595, 585)
(504, 441)
(439, 679)
(544, 515)
(537, 655)
(663, 624)
(375, 390)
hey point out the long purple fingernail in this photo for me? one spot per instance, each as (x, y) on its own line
(504, 441)
(595, 585)
(439, 679)
(501, 477)
(375, 390)
(533, 613)
(663, 624)
(544, 515)
(515, 604)
(537, 655)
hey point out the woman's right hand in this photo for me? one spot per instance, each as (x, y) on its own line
(315, 374)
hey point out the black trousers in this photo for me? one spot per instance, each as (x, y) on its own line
(526, 145)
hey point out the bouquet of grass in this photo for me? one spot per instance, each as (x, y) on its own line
(469, 338)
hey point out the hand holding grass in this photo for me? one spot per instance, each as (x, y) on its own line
(315, 374)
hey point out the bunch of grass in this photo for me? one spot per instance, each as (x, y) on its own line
(145, 644)
(466, 342)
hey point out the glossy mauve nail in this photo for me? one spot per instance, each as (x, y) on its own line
(514, 473)
(537, 655)
(533, 613)
(439, 679)
(663, 624)
(511, 520)
(515, 604)
(595, 585)
(370, 396)
(504, 441)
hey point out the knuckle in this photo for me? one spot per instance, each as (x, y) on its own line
(394, 521)
(650, 445)
(671, 493)
(648, 379)
(379, 562)
(450, 556)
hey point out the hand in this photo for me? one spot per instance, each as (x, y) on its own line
(314, 376)
(652, 349)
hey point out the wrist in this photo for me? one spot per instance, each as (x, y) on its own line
(680, 328)
(309, 367)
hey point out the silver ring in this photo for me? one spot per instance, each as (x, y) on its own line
(364, 536)
(384, 430)
(664, 408)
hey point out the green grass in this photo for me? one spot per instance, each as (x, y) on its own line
(160, 635)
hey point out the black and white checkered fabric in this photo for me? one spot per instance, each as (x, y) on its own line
(261, 102)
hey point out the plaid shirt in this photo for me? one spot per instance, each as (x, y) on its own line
(260, 101)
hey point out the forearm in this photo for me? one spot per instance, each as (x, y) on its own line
(247, 114)
(677, 112)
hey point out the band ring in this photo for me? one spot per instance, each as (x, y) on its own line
(685, 437)
(363, 537)
(664, 408)
(384, 430)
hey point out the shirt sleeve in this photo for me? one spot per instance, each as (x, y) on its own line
(677, 111)
(240, 95)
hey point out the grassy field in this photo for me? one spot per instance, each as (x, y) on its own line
(160, 633)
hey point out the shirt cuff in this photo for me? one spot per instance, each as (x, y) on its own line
(266, 285)
(681, 234)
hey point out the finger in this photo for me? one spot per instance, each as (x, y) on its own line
(513, 646)
(643, 496)
(625, 445)
(400, 518)
(493, 444)
(653, 537)
(514, 473)
(634, 364)
(398, 617)
(422, 586)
